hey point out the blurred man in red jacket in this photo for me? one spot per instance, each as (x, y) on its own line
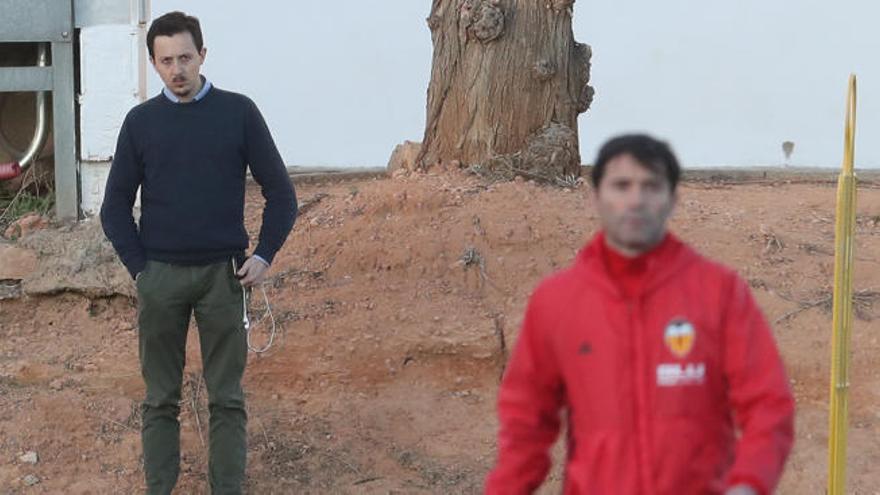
(666, 369)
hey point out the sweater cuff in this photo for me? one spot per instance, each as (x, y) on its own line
(264, 254)
(260, 259)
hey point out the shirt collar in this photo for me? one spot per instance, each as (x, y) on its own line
(206, 86)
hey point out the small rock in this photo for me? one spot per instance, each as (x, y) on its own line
(25, 225)
(30, 457)
(31, 480)
(10, 290)
(404, 157)
(276, 397)
(56, 384)
(33, 220)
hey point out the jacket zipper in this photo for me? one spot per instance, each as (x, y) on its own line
(643, 441)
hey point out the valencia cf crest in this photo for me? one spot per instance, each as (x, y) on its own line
(679, 337)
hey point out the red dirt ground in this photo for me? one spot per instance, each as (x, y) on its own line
(384, 374)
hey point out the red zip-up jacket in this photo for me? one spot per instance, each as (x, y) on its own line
(677, 388)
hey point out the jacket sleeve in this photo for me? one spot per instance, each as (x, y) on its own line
(529, 402)
(126, 176)
(759, 393)
(270, 173)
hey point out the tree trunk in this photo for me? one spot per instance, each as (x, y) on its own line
(507, 84)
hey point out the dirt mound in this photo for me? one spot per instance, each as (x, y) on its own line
(397, 302)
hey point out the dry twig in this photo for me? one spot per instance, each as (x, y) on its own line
(863, 303)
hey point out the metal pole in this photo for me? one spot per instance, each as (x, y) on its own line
(64, 118)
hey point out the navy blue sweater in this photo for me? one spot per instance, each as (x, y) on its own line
(190, 161)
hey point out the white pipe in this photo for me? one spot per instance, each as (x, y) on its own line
(16, 167)
(40, 133)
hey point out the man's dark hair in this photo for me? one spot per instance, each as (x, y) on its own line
(651, 153)
(173, 23)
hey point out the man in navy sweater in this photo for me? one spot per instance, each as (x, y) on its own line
(188, 150)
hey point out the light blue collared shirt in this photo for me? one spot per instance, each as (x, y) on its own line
(206, 86)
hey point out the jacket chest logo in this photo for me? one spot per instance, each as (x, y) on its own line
(681, 375)
(679, 337)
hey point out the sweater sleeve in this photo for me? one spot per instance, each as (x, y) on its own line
(269, 171)
(759, 393)
(529, 403)
(126, 176)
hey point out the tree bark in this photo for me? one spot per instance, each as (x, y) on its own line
(508, 82)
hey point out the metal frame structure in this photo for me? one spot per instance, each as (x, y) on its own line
(48, 21)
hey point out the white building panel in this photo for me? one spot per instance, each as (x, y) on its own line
(110, 85)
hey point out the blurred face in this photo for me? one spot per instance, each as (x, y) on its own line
(177, 61)
(633, 203)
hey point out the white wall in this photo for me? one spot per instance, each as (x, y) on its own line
(112, 66)
(340, 83)
(725, 82)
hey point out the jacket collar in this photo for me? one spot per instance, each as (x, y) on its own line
(663, 262)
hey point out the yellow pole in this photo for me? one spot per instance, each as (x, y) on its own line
(843, 294)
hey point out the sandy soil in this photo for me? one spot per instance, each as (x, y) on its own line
(384, 373)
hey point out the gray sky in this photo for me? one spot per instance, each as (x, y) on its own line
(725, 82)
